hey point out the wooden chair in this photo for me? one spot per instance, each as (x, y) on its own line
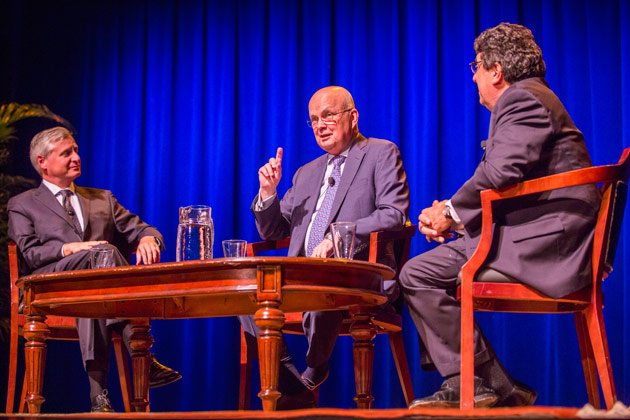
(586, 304)
(61, 328)
(385, 322)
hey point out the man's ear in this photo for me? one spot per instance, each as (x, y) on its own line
(497, 73)
(355, 117)
(43, 163)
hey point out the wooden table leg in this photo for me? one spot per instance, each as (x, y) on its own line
(363, 332)
(270, 320)
(140, 342)
(35, 332)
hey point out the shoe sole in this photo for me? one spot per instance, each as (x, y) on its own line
(165, 381)
(485, 402)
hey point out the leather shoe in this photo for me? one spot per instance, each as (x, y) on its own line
(303, 399)
(101, 404)
(160, 375)
(521, 395)
(448, 395)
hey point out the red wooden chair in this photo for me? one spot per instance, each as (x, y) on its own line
(586, 304)
(386, 322)
(61, 328)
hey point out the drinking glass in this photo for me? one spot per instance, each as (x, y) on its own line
(234, 248)
(343, 234)
(101, 256)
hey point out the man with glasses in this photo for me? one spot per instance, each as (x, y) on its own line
(543, 240)
(358, 180)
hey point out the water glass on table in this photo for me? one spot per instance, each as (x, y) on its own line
(343, 234)
(101, 256)
(234, 248)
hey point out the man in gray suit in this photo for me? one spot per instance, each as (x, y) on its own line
(542, 240)
(358, 180)
(57, 224)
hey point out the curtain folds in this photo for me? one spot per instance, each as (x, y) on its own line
(180, 102)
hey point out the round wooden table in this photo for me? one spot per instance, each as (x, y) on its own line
(264, 286)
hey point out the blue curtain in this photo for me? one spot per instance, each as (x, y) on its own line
(180, 102)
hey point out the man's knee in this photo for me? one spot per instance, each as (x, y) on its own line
(411, 273)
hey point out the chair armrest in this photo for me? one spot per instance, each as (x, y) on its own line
(255, 247)
(400, 237)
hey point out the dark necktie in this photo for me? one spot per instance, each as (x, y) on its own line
(67, 206)
(320, 224)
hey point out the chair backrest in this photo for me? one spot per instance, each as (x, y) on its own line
(609, 220)
(394, 242)
(619, 195)
(13, 277)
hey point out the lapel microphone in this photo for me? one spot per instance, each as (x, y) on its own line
(71, 213)
(331, 181)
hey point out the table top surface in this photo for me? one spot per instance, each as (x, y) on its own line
(205, 288)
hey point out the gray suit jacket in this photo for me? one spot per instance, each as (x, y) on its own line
(542, 240)
(373, 193)
(40, 226)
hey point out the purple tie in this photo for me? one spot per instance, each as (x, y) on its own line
(67, 206)
(320, 224)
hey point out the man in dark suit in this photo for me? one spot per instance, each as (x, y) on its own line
(56, 225)
(543, 240)
(358, 180)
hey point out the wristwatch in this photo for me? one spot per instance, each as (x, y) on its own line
(447, 212)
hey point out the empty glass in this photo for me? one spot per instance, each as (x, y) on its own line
(101, 256)
(234, 248)
(343, 234)
(195, 233)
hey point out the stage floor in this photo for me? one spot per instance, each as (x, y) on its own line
(347, 414)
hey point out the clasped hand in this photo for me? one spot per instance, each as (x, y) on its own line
(434, 225)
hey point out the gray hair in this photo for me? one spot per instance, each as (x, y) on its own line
(513, 47)
(43, 143)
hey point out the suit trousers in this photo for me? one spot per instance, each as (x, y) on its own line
(429, 282)
(289, 381)
(95, 335)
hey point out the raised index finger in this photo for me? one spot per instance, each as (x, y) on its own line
(279, 156)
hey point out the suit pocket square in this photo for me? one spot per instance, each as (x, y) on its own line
(537, 228)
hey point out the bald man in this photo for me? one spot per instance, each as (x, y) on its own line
(358, 179)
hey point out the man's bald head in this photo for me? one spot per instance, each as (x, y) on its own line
(334, 118)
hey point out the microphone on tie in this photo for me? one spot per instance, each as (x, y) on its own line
(71, 213)
(331, 181)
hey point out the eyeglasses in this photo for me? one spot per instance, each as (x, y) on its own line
(474, 66)
(328, 119)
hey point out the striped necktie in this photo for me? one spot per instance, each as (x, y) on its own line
(67, 206)
(320, 224)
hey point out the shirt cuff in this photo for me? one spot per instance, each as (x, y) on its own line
(263, 204)
(454, 215)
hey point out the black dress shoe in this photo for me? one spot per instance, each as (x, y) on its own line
(160, 375)
(101, 404)
(448, 396)
(521, 395)
(301, 400)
